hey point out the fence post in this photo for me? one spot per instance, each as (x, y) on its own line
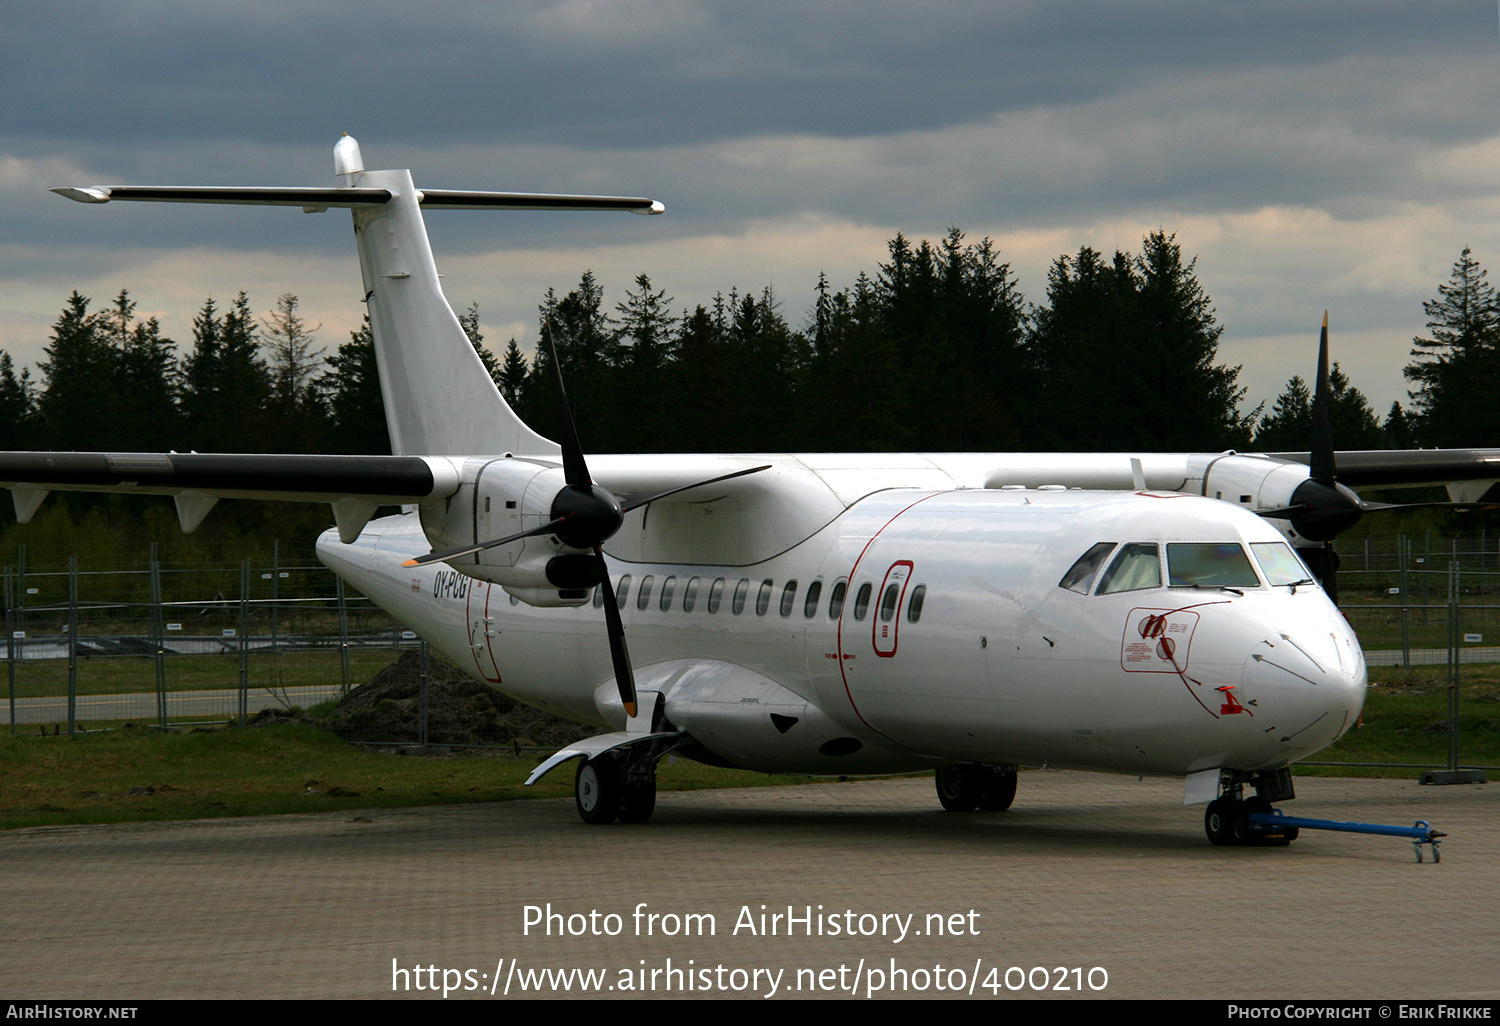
(275, 594)
(158, 641)
(244, 632)
(72, 644)
(343, 637)
(422, 701)
(10, 643)
(1454, 638)
(1403, 554)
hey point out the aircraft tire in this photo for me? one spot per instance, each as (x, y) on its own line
(597, 789)
(998, 791)
(638, 801)
(1218, 822)
(958, 788)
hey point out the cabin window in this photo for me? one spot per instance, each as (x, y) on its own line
(715, 594)
(740, 591)
(810, 607)
(1138, 566)
(1209, 565)
(643, 597)
(788, 598)
(1281, 564)
(667, 587)
(623, 591)
(598, 597)
(1080, 576)
(836, 599)
(690, 595)
(763, 597)
(914, 607)
(888, 603)
(862, 600)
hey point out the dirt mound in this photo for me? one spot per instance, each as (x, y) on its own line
(460, 710)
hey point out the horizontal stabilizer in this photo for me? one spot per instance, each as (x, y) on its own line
(271, 196)
(320, 198)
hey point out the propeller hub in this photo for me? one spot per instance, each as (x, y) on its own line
(590, 514)
(1332, 509)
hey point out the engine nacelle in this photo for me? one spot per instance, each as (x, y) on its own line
(501, 497)
(1256, 482)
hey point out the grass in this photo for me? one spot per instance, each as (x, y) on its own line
(1405, 721)
(133, 774)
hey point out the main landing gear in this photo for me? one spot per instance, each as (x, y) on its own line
(612, 785)
(970, 786)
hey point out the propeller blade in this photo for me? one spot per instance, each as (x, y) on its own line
(1284, 512)
(624, 676)
(1384, 507)
(636, 502)
(1323, 562)
(1320, 459)
(575, 469)
(464, 550)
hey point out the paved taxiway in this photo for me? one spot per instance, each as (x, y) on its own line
(1085, 871)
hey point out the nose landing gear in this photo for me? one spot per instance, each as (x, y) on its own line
(1227, 823)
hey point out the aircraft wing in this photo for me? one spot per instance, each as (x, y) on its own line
(1466, 473)
(353, 485)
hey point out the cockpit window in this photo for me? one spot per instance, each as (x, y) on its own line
(1138, 566)
(1081, 576)
(1280, 564)
(1209, 565)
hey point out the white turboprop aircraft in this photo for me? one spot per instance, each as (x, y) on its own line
(821, 614)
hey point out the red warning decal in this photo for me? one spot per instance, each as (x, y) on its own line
(1231, 704)
(1157, 640)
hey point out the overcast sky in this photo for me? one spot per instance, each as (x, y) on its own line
(1310, 156)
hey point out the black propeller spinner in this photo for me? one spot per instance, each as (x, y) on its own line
(584, 516)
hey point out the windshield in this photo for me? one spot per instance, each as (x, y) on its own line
(1138, 566)
(1280, 564)
(1081, 574)
(1210, 565)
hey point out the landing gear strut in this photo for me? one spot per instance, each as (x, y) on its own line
(970, 786)
(613, 785)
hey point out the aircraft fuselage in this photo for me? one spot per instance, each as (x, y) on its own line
(814, 660)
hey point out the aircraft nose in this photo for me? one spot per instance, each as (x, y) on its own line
(1309, 680)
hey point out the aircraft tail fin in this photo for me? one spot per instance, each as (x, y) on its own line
(439, 399)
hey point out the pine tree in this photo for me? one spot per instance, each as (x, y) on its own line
(1124, 356)
(227, 388)
(512, 374)
(78, 404)
(1289, 427)
(355, 403)
(17, 406)
(469, 321)
(1457, 370)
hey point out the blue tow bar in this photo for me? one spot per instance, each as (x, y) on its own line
(1422, 833)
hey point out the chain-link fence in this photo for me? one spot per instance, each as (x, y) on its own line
(158, 642)
(1395, 591)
